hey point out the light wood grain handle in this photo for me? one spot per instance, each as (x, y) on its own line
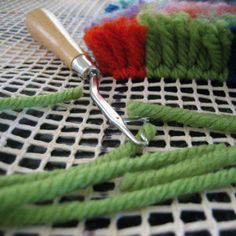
(48, 31)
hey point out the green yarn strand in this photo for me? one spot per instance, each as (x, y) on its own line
(153, 49)
(78, 178)
(167, 38)
(180, 22)
(126, 150)
(42, 100)
(195, 42)
(226, 38)
(191, 167)
(56, 213)
(215, 122)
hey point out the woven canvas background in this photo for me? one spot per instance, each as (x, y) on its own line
(72, 133)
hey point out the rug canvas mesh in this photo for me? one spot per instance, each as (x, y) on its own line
(75, 132)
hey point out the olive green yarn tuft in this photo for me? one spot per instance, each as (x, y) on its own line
(180, 47)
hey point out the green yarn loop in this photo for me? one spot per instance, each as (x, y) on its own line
(42, 100)
(31, 215)
(198, 165)
(211, 121)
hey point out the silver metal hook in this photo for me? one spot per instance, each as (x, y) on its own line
(109, 112)
(87, 71)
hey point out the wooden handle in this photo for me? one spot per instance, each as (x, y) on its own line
(48, 31)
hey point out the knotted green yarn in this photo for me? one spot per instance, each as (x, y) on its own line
(42, 100)
(198, 165)
(77, 178)
(31, 215)
(126, 150)
(180, 47)
(211, 121)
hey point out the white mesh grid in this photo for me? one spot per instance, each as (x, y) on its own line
(72, 133)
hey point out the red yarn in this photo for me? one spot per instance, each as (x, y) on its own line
(119, 47)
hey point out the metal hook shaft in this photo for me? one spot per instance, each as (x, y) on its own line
(109, 112)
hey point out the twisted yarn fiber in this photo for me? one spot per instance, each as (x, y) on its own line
(42, 100)
(186, 48)
(77, 178)
(127, 201)
(128, 149)
(49, 185)
(191, 167)
(223, 123)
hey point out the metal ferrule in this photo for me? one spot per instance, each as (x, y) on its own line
(83, 66)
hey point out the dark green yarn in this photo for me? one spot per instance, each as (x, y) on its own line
(167, 38)
(180, 23)
(180, 47)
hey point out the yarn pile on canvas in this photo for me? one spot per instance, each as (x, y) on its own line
(185, 40)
